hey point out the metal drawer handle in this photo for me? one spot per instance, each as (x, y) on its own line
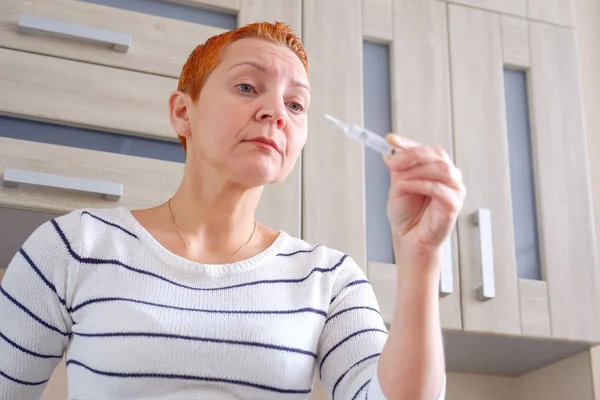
(16, 177)
(31, 24)
(483, 220)
(446, 277)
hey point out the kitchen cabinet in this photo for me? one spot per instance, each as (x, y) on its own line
(336, 170)
(460, 74)
(483, 45)
(83, 104)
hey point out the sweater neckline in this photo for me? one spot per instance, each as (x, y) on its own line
(208, 270)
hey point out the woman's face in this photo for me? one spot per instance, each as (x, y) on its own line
(249, 123)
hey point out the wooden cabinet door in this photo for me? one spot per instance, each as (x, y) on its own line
(79, 89)
(338, 172)
(160, 35)
(568, 247)
(90, 87)
(486, 47)
(481, 153)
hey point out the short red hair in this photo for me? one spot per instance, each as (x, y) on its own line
(206, 57)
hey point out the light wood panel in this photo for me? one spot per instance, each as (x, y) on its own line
(512, 7)
(535, 314)
(554, 11)
(57, 387)
(595, 366)
(587, 21)
(231, 6)
(145, 182)
(383, 279)
(421, 103)
(288, 11)
(333, 166)
(280, 204)
(86, 95)
(378, 25)
(563, 185)
(515, 41)
(570, 378)
(478, 387)
(158, 45)
(318, 391)
(481, 152)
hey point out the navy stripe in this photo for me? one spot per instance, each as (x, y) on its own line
(24, 350)
(198, 339)
(348, 370)
(345, 340)
(42, 277)
(360, 389)
(350, 309)
(360, 282)
(298, 252)
(10, 378)
(32, 315)
(108, 299)
(190, 377)
(110, 224)
(119, 263)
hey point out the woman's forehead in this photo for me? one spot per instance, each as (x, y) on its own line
(264, 56)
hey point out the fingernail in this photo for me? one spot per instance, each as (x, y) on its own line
(395, 139)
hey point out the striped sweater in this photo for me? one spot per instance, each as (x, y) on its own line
(137, 321)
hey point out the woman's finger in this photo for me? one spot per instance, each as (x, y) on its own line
(439, 171)
(400, 141)
(412, 156)
(449, 197)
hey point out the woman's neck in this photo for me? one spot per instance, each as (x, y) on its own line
(214, 212)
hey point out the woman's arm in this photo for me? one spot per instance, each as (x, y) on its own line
(411, 365)
(34, 320)
(351, 361)
(426, 196)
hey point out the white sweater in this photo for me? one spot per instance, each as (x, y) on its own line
(139, 322)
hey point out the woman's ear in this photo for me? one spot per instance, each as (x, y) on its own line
(179, 103)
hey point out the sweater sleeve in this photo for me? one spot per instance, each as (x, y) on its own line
(352, 339)
(35, 323)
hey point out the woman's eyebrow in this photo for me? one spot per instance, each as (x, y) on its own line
(301, 84)
(262, 68)
(256, 65)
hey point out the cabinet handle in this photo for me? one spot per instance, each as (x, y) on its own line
(15, 177)
(483, 220)
(31, 24)
(446, 277)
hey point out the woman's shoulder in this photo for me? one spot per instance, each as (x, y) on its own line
(294, 246)
(69, 228)
(90, 218)
(321, 257)
(59, 240)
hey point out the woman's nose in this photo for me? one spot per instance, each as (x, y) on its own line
(273, 114)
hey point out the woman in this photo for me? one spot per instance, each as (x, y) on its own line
(196, 299)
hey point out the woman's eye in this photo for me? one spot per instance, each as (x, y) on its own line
(245, 88)
(296, 107)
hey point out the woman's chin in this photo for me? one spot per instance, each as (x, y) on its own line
(259, 174)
